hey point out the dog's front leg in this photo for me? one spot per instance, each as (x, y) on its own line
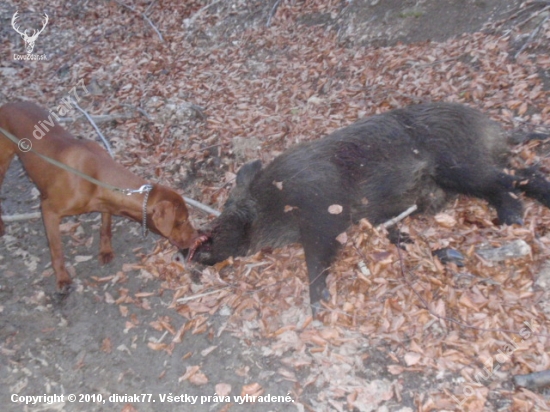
(106, 253)
(51, 223)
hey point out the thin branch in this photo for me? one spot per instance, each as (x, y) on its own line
(421, 65)
(201, 206)
(107, 145)
(399, 217)
(21, 216)
(531, 37)
(536, 2)
(148, 20)
(144, 16)
(149, 7)
(201, 295)
(189, 22)
(101, 118)
(520, 11)
(272, 13)
(532, 16)
(139, 109)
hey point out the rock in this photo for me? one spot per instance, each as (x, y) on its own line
(542, 279)
(448, 255)
(512, 250)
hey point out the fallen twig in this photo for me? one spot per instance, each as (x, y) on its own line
(272, 13)
(532, 16)
(105, 142)
(531, 37)
(533, 380)
(100, 118)
(251, 266)
(526, 7)
(144, 16)
(21, 216)
(189, 22)
(201, 295)
(201, 206)
(139, 109)
(399, 217)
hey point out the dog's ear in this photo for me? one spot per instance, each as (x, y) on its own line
(164, 215)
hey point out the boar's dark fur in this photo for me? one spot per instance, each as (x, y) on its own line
(375, 169)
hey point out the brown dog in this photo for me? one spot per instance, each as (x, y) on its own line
(66, 194)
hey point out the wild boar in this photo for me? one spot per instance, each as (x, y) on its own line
(375, 169)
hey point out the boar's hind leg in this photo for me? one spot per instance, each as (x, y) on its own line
(534, 185)
(318, 237)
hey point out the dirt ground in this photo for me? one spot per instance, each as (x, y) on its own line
(102, 339)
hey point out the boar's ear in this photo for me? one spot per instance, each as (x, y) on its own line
(246, 174)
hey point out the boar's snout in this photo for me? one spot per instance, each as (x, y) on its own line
(230, 233)
(228, 237)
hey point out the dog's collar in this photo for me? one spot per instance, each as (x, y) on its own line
(143, 189)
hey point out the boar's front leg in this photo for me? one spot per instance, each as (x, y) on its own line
(318, 234)
(534, 185)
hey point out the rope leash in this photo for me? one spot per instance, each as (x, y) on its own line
(22, 144)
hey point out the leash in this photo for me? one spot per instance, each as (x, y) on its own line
(27, 147)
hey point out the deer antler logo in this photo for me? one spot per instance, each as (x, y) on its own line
(29, 39)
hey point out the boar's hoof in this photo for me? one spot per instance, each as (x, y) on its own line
(316, 306)
(510, 219)
(398, 238)
(316, 309)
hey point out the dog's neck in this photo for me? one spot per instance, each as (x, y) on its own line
(132, 205)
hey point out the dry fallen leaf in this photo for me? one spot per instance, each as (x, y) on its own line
(208, 350)
(191, 371)
(253, 389)
(198, 379)
(80, 258)
(106, 345)
(412, 358)
(123, 310)
(395, 369)
(445, 220)
(223, 389)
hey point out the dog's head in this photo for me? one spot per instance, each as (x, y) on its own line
(168, 216)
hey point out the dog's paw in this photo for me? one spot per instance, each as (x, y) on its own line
(106, 257)
(64, 287)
